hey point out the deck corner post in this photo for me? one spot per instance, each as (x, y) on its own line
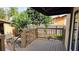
(36, 32)
(23, 39)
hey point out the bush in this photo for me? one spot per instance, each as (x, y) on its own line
(55, 36)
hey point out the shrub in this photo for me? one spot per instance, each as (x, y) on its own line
(55, 36)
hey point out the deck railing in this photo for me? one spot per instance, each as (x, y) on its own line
(45, 32)
(29, 35)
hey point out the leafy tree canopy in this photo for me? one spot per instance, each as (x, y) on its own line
(2, 13)
(29, 16)
(37, 18)
(13, 11)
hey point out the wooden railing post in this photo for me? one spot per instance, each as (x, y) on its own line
(56, 29)
(36, 32)
(63, 35)
(23, 39)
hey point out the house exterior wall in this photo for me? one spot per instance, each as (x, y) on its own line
(8, 30)
(59, 20)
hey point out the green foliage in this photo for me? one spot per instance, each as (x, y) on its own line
(2, 13)
(13, 11)
(33, 15)
(56, 36)
(30, 16)
(37, 18)
(21, 20)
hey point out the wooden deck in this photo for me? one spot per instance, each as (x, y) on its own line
(44, 45)
(30, 40)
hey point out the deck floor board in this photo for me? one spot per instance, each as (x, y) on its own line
(44, 45)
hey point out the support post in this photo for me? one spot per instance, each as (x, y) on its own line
(36, 32)
(23, 39)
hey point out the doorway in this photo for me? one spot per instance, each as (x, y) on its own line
(1, 28)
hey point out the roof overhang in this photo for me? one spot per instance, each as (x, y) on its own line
(50, 11)
(4, 21)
